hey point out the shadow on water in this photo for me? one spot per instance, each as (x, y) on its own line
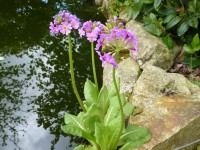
(35, 86)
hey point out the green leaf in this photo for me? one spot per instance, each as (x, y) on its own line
(196, 83)
(106, 135)
(112, 110)
(168, 41)
(85, 147)
(114, 130)
(153, 29)
(182, 28)
(133, 133)
(90, 92)
(156, 3)
(128, 109)
(152, 17)
(71, 119)
(101, 135)
(71, 129)
(136, 143)
(134, 11)
(195, 41)
(75, 126)
(111, 89)
(92, 115)
(135, 136)
(193, 62)
(192, 7)
(188, 49)
(167, 11)
(148, 1)
(103, 100)
(193, 22)
(169, 18)
(173, 22)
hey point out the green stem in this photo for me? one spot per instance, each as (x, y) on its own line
(121, 108)
(93, 66)
(72, 74)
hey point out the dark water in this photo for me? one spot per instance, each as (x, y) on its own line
(35, 85)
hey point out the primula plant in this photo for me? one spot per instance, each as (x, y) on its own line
(102, 121)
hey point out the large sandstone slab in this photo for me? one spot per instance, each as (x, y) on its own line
(171, 109)
(173, 120)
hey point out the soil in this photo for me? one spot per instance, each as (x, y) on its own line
(187, 71)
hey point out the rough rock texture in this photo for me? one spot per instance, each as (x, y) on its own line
(171, 108)
(152, 51)
(128, 71)
(173, 121)
(155, 82)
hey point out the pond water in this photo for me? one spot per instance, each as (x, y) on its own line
(35, 85)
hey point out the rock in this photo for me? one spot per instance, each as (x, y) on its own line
(171, 108)
(155, 82)
(152, 51)
(128, 71)
(173, 121)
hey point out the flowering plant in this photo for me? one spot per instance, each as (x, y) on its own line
(102, 121)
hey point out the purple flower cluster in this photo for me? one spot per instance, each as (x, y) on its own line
(91, 30)
(123, 38)
(63, 23)
(109, 59)
(115, 34)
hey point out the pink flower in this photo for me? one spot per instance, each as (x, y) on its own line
(63, 23)
(81, 32)
(91, 30)
(53, 28)
(75, 24)
(65, 28)
(91, 37)
(108, 58)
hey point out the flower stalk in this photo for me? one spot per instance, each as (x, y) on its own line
(94, 67)
(120, 105)
(72, 74)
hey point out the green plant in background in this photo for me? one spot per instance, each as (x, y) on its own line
(192, 59)
(166, 18)
(181, 15)
(102, 121)
(191, 50)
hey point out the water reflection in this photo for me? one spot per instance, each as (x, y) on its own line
(34, 83)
